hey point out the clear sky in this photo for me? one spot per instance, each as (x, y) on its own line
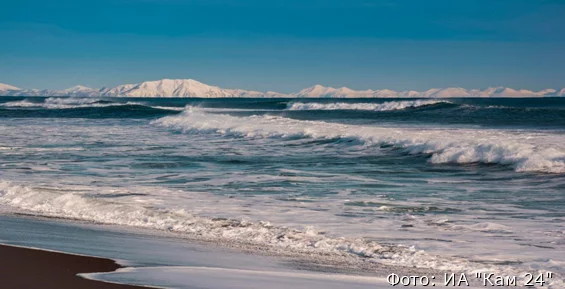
(284, 45)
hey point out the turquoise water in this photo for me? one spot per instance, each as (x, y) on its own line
(458, 183)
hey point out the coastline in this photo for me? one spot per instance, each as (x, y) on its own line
(23, 268)
(161, 261)
(351, 212)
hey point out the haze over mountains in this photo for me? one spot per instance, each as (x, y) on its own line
(193, 88)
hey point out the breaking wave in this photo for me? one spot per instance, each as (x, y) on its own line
(83, 108)
(64, 103)
(66, 203)
(524, 151)
(71, 103)
(385, 106)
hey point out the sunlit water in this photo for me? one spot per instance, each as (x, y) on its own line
(474, 183)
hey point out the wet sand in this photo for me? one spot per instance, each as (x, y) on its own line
(23, 268)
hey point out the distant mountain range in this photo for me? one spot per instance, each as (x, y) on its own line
(193, 88)
(344, 92)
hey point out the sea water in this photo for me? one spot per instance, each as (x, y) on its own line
(446, 184)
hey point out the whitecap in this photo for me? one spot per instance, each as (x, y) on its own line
(525, 151)
(385, 106)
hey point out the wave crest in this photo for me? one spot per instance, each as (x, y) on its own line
(524, 151)
(75, 102)
(66, 203)
(385, 106)
(64, 103)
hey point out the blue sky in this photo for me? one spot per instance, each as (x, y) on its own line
(284, 45)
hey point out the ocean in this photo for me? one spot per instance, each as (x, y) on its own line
(446, 184)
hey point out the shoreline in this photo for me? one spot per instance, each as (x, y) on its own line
(166, 261)
(33, 268)
(153, 261)
(320, 262)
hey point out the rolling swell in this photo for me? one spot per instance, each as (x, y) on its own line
(523, 151)
(80, 108)
(385, 106)
(125, 111)
(454, 112)
(547, 113)
(531, 117)
(512, 113)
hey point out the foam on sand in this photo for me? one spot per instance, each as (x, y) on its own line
(223, 278)
(256, 236)
(66, 203)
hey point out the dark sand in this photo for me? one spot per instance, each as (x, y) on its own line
(22, 268)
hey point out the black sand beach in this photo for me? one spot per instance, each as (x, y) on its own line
(23, 268)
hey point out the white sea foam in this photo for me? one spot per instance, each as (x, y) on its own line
(66, 203)
(501, 238)
(224, 278)
(385, 106)
(525, 151)
(176, 108)
(75, 102)
(70, 101)
(64, 103)
(49, 202)
(21, 103)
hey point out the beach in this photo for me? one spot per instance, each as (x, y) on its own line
(255, 193)
(148, 259)
(24, 268)
(357, 144)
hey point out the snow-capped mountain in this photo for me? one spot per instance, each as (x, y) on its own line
(158, 88)
(322, 91)
(177, 88)
(344, 92)
(193, 88)
(9, 90)
(6, 87)
(80, 90)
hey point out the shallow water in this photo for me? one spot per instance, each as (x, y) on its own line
(470, 184)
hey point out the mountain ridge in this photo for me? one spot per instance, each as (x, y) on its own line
(193, 88)
(6, 87)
